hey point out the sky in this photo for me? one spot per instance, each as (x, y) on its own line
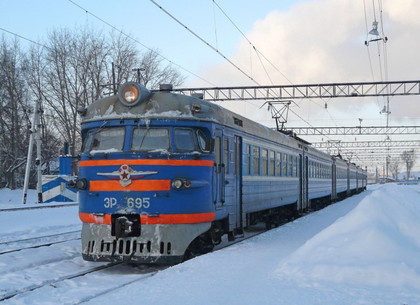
(312, 41)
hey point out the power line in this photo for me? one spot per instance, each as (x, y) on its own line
(24, 38)
(203, 40)
(260, 54)
(137, 41)
(252, 45)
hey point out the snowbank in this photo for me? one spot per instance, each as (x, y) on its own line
(363, 250)
(376, 244)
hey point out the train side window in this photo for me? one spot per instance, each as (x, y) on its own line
(290, 166)
(184, 140)
(256, 160)
(278, 164)
(104, 140)
(284, 165)
(246, 167)
(272, 163)
(264, 157)
(226, 154)
(249, 160)
(217, 151)
(310, 169)
(204, 142)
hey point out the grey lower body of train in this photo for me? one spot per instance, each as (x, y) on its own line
(162, 244)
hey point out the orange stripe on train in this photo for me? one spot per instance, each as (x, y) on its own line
(146, 162)
(161, 219)
(135, 185)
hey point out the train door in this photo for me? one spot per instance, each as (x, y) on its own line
(303, 182)
(357, 180)
(334, 181)
(237, 173)
(348, 178)
(219, 170)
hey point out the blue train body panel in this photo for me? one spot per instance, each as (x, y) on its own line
(162, 175)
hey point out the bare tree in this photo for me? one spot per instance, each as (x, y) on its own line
(66, 76)
(14, 103)
(394, 167)
(154, 73)
(409, 158)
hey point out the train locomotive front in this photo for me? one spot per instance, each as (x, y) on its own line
(144, 176)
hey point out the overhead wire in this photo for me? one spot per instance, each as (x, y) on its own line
(210, 46)
(25, 38)
(204, 41)
(260, 54)
(385, 52)
(138, 42)
(367, 35)
(215, 26)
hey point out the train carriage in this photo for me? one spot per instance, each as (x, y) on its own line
(163, 176)
(341, 178)
(353, 170)
(320, 176)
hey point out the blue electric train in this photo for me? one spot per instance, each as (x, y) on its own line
(163, 176)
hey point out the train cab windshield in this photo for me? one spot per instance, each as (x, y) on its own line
(184, 140)
(152, 139)
(105, 140)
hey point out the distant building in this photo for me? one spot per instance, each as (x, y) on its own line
(383, 180)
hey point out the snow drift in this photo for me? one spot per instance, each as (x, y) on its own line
(377, 244)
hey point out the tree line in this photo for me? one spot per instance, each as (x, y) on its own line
(69, 70)
(407, 158)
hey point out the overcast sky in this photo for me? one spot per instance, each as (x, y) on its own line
(313, 41)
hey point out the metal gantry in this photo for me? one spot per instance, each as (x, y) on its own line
(357, 130)
(309, 91)
(366, 144)
(281, 93)
(395, 152)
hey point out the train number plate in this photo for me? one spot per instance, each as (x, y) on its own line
(131, 202)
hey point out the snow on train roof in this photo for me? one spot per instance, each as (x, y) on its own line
(166, 105)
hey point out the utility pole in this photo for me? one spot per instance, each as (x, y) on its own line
(114, 85)
(35, 135)
(138, 74)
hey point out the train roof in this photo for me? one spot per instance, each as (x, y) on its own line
(167, 105)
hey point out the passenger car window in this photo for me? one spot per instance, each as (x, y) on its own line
(150, 139)
(184, 139)
(264, 157)
(226, 155)
(272, 164)
(109, 139)
(256, 160)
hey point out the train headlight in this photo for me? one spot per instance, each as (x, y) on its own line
(177, 183)
(131, 93)
(82, 184)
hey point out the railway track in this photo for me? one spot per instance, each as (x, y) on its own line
(59, 281)
(79, 279)
(58, 284)
(37, 242)
(52, 283)
(39, 207)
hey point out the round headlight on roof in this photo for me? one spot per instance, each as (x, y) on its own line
(131, 93)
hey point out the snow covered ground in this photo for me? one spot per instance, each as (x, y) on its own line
(363, 250)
